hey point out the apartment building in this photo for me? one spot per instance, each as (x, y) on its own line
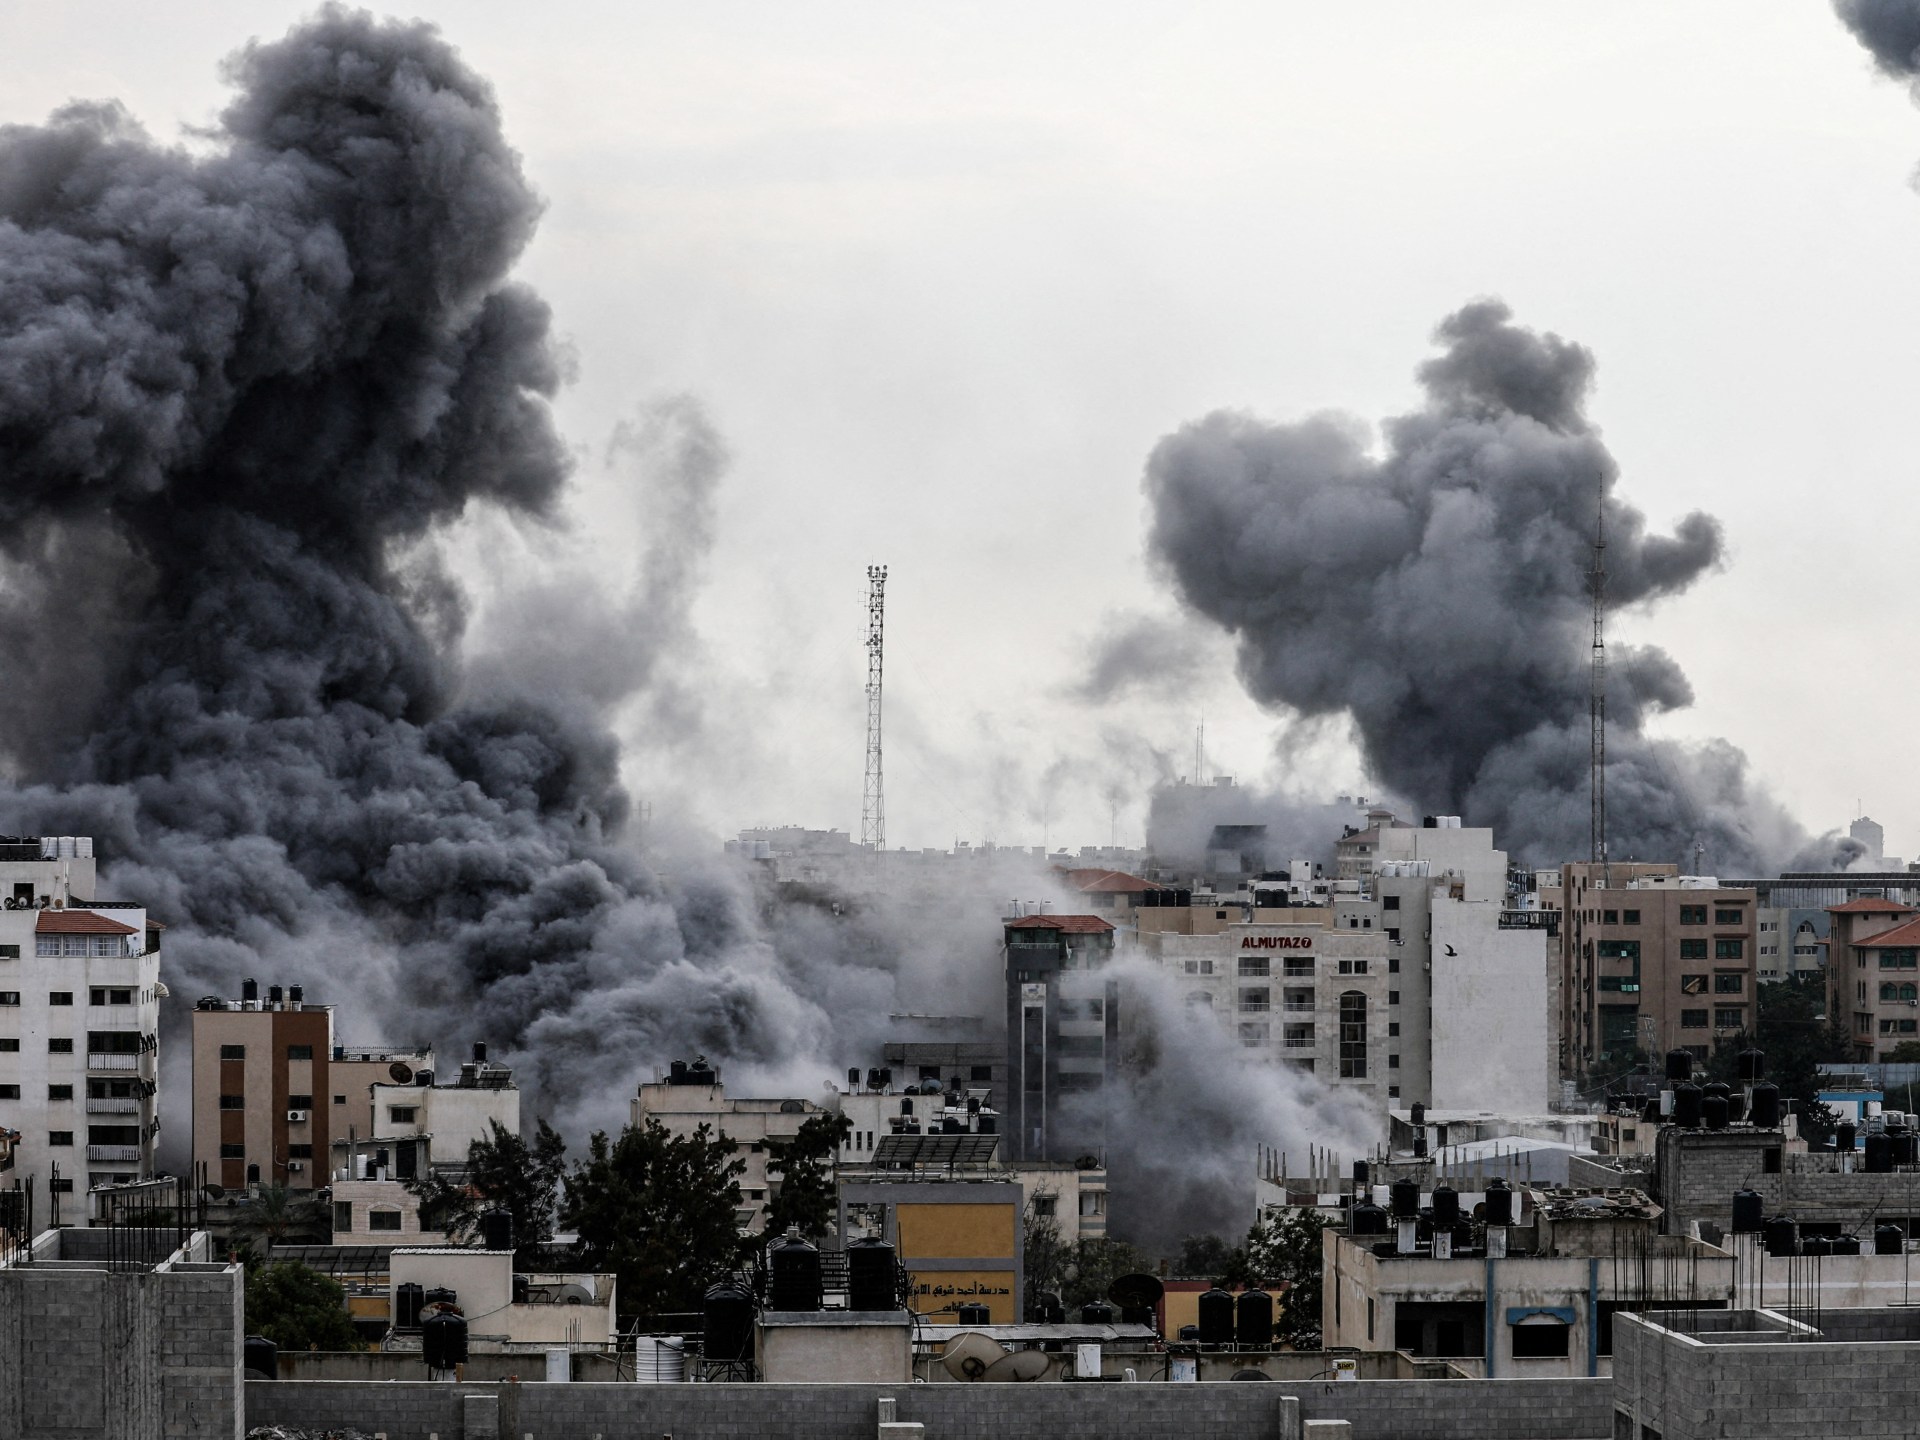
(1873, 975)
(80, 999)
(272, 1092)
(1651, 960)
(1063, 1028)
(692, 1095)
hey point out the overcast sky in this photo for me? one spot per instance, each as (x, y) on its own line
(942, 275)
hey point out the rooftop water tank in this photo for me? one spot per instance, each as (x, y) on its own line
(1679, 1065)
(1253, 1321)
(1752, 1065)
(1096, 1312)
(1749, 1212)
(795, 1268)
(496, 1229)
(443, 1341)
(1782, 1236)
(726, 1316)
(1216, 1317)
(1713, 1112)
(1686, 1105)
(871, 1276)
(1404, 1198)
(974, 1314)
(1446, 1207)
(1888, 1240)
(407, 1302)
(1764, 1107)
(260, 1358)
(1499, 1202)
(1369, 1219)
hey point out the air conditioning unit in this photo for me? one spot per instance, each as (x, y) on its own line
(296, 1117)
(295, 1167)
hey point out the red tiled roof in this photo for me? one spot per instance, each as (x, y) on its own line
(1108, 882)
(1870, 905)
(78, 922)
(1901, 936)
(1072, 924)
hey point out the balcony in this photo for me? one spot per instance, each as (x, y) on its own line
(99, 1060)
(113, 1017)
(1298, 1042)
(1298, 1007)
(1298, 970)
(112, 1105)
(124, 1154)
(1254, 1007)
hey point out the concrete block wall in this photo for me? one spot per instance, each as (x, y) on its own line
(1699, 1170)
(131, 1356)
(1379, 1410)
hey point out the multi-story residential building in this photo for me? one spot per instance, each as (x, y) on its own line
(1873, 979)
(692, 1095)
(1651, 960)
(80, 999)
(1063, 1028)
(272, 1092)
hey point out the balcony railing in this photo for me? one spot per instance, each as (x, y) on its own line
(1254, 1007)
(112, 1105)
(113, 1152)
(101, 1060)
(1298, 1042)
(1298, 1007)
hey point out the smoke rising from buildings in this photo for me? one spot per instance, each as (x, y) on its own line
(1436, 594)
(1890, 30)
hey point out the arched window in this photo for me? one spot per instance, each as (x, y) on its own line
(1353, 1035)
(1889, 991)
(1909, 994)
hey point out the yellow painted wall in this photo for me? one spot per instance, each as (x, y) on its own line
(954, 1232)
(935, 1291)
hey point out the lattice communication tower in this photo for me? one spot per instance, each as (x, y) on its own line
(873, 804)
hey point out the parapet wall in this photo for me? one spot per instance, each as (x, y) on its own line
(1379, 1410)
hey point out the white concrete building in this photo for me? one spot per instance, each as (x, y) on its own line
(80, 999)
(694, 1097)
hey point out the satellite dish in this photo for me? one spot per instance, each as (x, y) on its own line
(1136, 1292)
(401, 1072)
(1249, 1375)
(969, 1356)
(1020, 1365)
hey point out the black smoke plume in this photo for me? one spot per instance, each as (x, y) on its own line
(243, 389)
(1890, 29)
(1436, 594)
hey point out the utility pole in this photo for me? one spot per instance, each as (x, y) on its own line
(1597, 702)
(873, 805)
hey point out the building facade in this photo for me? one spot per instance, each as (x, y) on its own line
(1873, 978)
(1063, 1030)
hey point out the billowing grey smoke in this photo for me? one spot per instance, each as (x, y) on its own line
(1890, 29)
(1436, 594)
(241, 390)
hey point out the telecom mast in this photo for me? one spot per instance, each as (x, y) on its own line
(1597, 703)
(873, 805)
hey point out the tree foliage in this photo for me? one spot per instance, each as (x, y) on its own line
(1284, 1254)
(657, 1210)
(299, 1309)
(1792, 1027)
(1212, 1258)
(1092, 1265)
(505, 1171)
(1045, 1253)
(805, 1195)
(275, 1215)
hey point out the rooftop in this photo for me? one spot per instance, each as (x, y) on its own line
(1905, 934)
(78, 922)
(1109, 882)
(1070, 924)
(1870, 905)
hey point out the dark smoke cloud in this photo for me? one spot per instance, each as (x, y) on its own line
(1149, 655)
(1890, 30)
(1436, 594)
(243, 391)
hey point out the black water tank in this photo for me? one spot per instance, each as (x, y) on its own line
(1753, 1065)
(1846, 1244)
(1679, 1065)
(1418, 1114)
(1888, 1240)
(522, 1289)
(1419, 1142)
(440, 1295)
(274, 994)
(1253, 1321)
(795, 1283)
(1716, 1087)
(1362, 1174)
(1737, 1106)
(726, 1323)
(871, 1276)
(1216, 1317)
(479, 1052)
(1906, 1148)
(1816, 1245)
(1098, 1312)
(677, 1073)
(1499, 1202)
(1650, 1112)
(1137, 1315)
(1782, 1236)
(1686, 1105)
(1713, 1111)
(249, 989)
(1846, 1136)
(496, 1229)
(853, 1077)
(986, 1125)
(261, 1357)
(1446, 1207)
(1046, 1309)
(1878, 1153)
(1404, 1198)
(1369, 1219)
(1764, 1111)
(1749, 1212)
(443, 1341)
(974, 1314)
(407, 1300)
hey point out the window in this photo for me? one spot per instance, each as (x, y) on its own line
(60, 1137)
(1629, 917)
(59, 1092)
(9, 997)
(1728, 917)
(383, 1220)
(404, 1115)
(1729, 949)
(980, 1074)
(1393, 937)
(1390, 902)
(1540, 1340)
(233, 1152)
(113, 1134)
(60, 997)
(113, 1042)
(233, 1052)
(9, 1045)
(1693, 1019)
(1899, 1027)
(1393, 997)
(1889, 991)
(233, 1102)
(299, 1052)
(300, 1102)
(1619, 950)
(1729, 984)
(342, 1216)
(1897, 959)
(1393, 1062)
(1729, 1019)
(300, 1152)
(1693, 949)
(61, 1046)
(1045, 1206)
(1393, 965)
(1353, 1036)
(1693, 984)
(1609, 917)
(1254, 966)
(9, 1092)
(1693, 914)
(1393, 1027)
(1353, 967)
(46, 947)
(1253, 1032)
(9, 952)
(339, 1099)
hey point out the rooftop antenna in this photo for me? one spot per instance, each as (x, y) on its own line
(873, 806)
(1597, 701)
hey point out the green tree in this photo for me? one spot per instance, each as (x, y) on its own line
(1210, 1257)
(299, 1309)
(1284, 1254)
(1093, 1265)
(275, 1215)
(658, 1211)
(1907, 1052)
(805, 1194)
(1792, 1027)
(504, 1171)
(1044, 1252)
